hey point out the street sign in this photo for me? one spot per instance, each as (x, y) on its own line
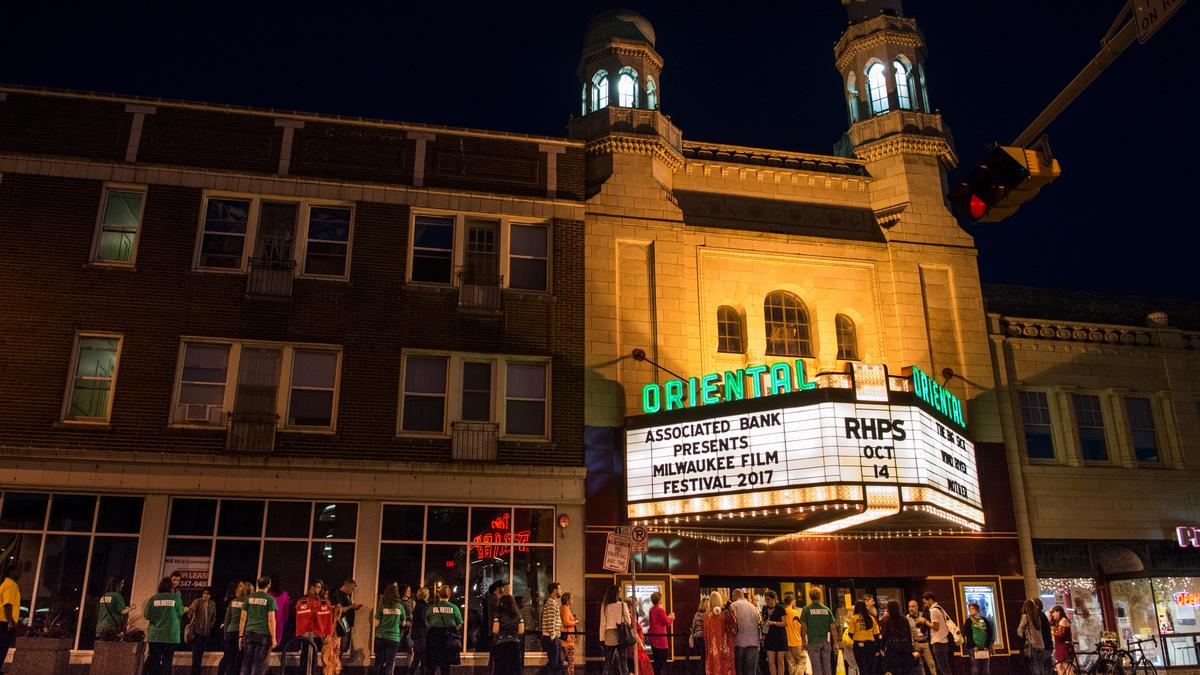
(1150, 15)
(617, 552)
(640, 535)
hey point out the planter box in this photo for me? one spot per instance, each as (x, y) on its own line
(118, 658)
(41, 656)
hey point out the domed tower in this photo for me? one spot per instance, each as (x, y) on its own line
(620, 94)
(881, 58)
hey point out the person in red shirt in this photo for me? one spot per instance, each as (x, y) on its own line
(314, 623)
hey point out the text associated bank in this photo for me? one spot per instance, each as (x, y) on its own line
(799, 446)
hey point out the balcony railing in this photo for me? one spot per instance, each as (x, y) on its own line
(474, 441)
(478, 292)
(251, 433)
(270, 278)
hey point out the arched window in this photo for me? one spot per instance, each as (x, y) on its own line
(651, 94)
(787, 325)
(600, 90)
(729, 331)
(877, 88)
(583, 103)
(847, 338)
(903, 79)
(627, 88)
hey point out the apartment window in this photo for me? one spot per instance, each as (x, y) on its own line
(433, 249)
(93, 377)
(328, 245)
(223, 240)
(1141, 428)
(1035, 414)
(296, 382)
(1089, 421)
(525, 399)
(424, 394)
(729, 330)
(528, 257)
(118, 227)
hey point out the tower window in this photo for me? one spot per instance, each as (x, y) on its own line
(729, 330)
(877, 88)
(847, 338)
(651, 94)
(600, 90)
(584, 101)
(787, 325)
(921, 81)
(627, 88)
(852, 97)
(903, 77)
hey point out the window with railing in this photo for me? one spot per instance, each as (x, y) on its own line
(480, 255)
(118, 226)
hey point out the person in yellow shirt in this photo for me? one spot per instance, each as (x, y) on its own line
(10, 609)
(864, 632)
(797, 658)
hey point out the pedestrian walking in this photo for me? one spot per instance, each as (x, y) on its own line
(235, 601)
(552, 629)
(696, 632)
(660, 629)
(314, 625)
(419, 631)
(443, 640)
(257, 628)
(819, 633)
(939, 633)
(920, 638)
(112, 612)
(793, 628)
(507, 630)
(390, 619)
(745, 645)
(1060, 627)
(616, 624)
(1030, 631)
(163, 612)
(775, 641)
(10, 609)
(344, 597)
(720, 629)
(899, 656)
(202, 614)
(569, 623)
(864, 632)
(977, 640)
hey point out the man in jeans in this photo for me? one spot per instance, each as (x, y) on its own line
(818, 629)
(552, 630)
(257, 629)
(344, 598)
(939, 633)
(920, 638)
(745, 643)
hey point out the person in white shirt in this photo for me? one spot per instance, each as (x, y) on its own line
(939, 632)
(613, 613)
(745, 646)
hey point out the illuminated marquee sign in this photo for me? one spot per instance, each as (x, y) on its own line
(808, 445)
(1188, 537)
(495, 543)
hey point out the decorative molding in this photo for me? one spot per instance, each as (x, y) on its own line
(890, 215)
(880, 30)
(139, 113)
(877, 40)
(422, 138)
(907, 144)
(634, 49)
(772, 159)
(289, 127)
(633, 145)
(552, 153)
(1092, 333)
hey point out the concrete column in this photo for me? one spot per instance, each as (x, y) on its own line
(152, 546)
(135, 130)
(422, 139)
(366, 566)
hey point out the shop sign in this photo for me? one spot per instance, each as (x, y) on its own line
(494, 544)
(192, 569)
(1184, 599)
(1188, 537)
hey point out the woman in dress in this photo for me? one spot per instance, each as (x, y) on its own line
(644, 666)
(1030, 630)
(775, 641)
(507, 629)
(660, 629)
(897, 640)
(1064, 657)
(613, 614)
(569, 622)
(719, 629)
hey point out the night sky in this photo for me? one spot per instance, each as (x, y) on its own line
(1120, 218)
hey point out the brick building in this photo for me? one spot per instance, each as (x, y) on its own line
(243, 341)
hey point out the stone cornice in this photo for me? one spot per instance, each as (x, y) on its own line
(618, 144)
(882, 30)
(769, 158)
(621, 48)
(1096, 334)
(907, 144)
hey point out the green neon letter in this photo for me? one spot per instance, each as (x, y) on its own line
(674, 394)
(753, 372)
(735, 385)
(781, 378)
(708, 388)
(801, 382)
(651, 398)
(692, 392)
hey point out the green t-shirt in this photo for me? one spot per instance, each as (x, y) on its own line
(109, 615)
(391, 621)
(444, 615)
(979, 632)
(816, 619)
(233, 614)
(258, 608)
(163, 611)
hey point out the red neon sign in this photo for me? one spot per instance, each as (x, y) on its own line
(490, 544)
(1187, 599)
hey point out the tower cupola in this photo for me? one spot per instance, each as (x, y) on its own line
(619, 66)
(881, 57)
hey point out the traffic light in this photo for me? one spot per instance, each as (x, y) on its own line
(1007, 178)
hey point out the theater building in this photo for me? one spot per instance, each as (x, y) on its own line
(788, 374)
(1100, 402)
(241, 341)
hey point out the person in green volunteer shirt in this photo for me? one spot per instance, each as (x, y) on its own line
(235, 600)
(163, 611)
(257, 628)
(818, 631)
(443, 640)
(111, 615)
(390, 619)
(977, 641)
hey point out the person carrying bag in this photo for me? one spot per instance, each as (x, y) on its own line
(616, 633)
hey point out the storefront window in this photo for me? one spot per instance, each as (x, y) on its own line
(1133, 602)
(68, 549)
(468, 548)
(1078, 597)
(1177, 600)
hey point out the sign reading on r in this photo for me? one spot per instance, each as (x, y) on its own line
(1188, 537)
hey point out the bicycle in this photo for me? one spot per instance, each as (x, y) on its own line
(1133, 661)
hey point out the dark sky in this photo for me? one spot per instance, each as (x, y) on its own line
(760, 74)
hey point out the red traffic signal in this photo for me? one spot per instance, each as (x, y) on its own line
(989, 183)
